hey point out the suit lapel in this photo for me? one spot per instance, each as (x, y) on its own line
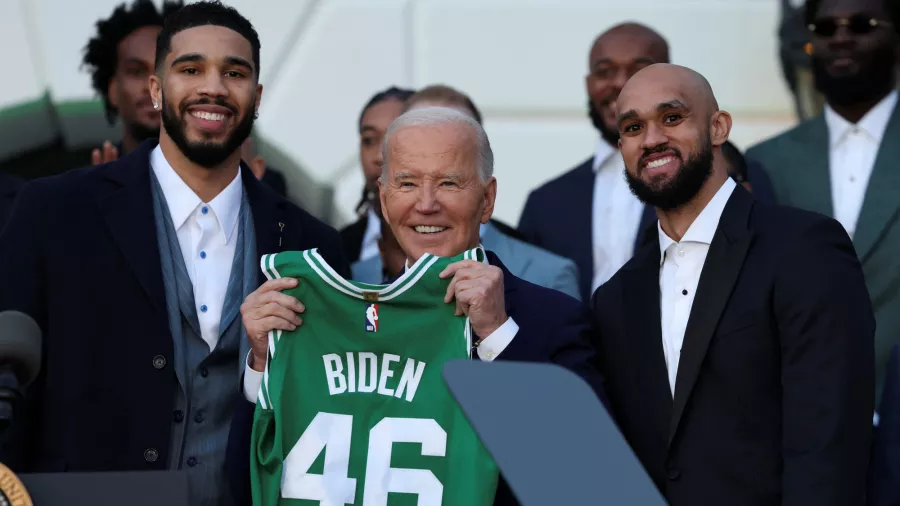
(648, 219)
(644, 332)
(720, 272)
(127, 208)
(810, 164)
(582, 204)
(273, 232)
(882, 200)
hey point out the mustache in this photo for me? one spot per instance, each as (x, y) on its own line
(218, 102)
(661, 149)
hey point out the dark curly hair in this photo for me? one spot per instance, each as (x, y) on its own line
(392, 93)
(892, 7)
(101, 52)
(206, 13)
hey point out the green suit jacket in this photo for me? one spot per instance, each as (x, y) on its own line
(798, 163)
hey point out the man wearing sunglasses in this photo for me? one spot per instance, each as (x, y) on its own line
(845, 163)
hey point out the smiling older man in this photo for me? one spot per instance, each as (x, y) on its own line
(436, 189)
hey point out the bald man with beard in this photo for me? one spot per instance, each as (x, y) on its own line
(588, 214)
(737, 344)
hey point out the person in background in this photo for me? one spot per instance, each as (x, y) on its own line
(135, 271)
(361, 237)
(739, 168)
(120, 58)
(588, 214)
(843, 163)
(385, 267)
(737, 343)
(524, 260)
(796, 63)
(268, 175)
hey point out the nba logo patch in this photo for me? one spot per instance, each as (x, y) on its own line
(372, 318)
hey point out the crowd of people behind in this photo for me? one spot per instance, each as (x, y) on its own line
(738, 313)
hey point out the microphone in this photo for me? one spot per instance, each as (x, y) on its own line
(20, 360)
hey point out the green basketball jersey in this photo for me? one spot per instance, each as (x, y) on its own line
(353, 408)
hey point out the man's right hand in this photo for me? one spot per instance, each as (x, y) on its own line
(108, 154)
(268, 309)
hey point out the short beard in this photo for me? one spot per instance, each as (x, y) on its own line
(203, 153)
(608, 135)
(873, 80)
(681, 188)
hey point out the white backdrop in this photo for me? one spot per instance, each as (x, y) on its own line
(522, 61)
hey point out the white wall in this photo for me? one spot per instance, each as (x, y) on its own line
(522, 61)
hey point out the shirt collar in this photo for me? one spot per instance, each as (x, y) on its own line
(873, 123)
(406, 267)
(604, 151)
(705, 224)
(182, 201)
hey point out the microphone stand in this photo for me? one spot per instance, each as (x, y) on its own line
(10, 396)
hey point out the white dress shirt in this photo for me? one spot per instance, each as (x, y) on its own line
(680, 266)
(852, 150)
(487, 350)
(206, 233)
(371, 236)
(616, 215)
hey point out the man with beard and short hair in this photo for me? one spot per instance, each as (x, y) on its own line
(135, 271)
(737, 343)
(121, 58)
(593, 197)
(843, 163)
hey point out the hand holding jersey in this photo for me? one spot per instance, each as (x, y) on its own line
(268, 309)
(477, 288)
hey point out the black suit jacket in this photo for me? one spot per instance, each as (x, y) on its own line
(558, 216)
(9, 188)
(885, 472)
(80, 256)
(553, 327)
(773, 400)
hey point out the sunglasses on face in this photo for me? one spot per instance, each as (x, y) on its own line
(859, 24)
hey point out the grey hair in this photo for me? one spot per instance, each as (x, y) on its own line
(432, 116)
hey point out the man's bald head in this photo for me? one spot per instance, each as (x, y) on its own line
(670, 132)
(681, 83)
(653, 44)
(615, 56)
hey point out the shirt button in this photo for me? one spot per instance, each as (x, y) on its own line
(202, 254)
(681, 252)
(852, 179)
(150, 455)
(684, 292)
(178, 416)
(192, 461)
(204, 210)
(204, 372)
(159, 362)
(203, 308)
(199, 417)
(489, 355)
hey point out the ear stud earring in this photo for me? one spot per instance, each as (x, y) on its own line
(155, 105)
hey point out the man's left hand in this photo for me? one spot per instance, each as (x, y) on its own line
(478, 290)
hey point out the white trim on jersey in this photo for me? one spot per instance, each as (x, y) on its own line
(381, 290)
